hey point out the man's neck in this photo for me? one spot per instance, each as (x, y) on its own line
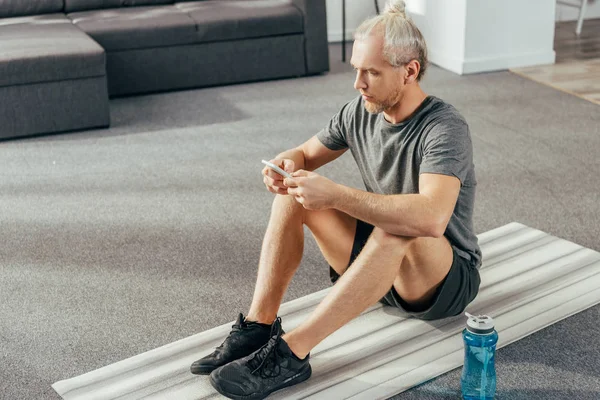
(408, 104)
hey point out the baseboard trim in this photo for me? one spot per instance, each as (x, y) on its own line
(487, 64)
(453, 64)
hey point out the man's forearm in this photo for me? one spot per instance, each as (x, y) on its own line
(295, 154)
(403, 214)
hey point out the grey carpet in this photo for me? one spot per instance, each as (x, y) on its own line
(118, 241)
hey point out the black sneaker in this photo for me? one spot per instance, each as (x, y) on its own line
(272, 367)
(244, 339)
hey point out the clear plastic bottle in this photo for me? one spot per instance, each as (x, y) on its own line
(478, 381)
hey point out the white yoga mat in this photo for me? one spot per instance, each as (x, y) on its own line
(529, 280)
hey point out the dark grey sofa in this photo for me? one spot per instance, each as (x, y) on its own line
(60, 60)
(52, 75)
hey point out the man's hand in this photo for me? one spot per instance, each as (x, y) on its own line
(312, 190)
(273, 181)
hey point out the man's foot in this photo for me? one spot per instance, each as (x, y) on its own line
(244, 339)
(272, 367)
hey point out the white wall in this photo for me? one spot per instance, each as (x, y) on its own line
(358, 10)
(443, 24)
(466, 36)
(498, 38)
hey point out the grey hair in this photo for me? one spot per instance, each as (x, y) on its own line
(403, 41)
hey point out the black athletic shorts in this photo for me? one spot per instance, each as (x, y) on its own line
(456, 291)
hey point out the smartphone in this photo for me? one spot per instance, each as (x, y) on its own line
(276, 169)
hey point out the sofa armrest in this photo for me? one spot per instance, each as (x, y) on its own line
(315, 34)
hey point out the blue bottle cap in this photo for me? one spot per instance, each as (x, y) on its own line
(480, 324)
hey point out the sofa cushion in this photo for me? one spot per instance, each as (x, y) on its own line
(16, 8)
(137, 27)
(84, 5)
(46, 48)
(135, 3)
(241, 19)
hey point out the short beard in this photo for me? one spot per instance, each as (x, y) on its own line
(376, 108)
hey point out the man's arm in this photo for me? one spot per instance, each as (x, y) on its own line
(311, 155)
(424, 214)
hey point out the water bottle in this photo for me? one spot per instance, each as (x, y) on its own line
(478, 381)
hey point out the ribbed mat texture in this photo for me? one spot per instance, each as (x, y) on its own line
(529, 280)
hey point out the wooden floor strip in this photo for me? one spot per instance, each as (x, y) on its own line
(577, 68)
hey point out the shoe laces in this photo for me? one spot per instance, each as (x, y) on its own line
(235, 328)
(266, 360)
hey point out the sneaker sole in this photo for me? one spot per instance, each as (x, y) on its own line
(202, 370)
(259, 396)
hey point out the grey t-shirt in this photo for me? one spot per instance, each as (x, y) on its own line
(390, 157)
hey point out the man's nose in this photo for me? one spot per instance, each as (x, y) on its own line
(359, 82)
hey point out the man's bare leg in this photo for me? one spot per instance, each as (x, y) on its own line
(283, 246)
(415, 266)
(280, 257)
(400, 259)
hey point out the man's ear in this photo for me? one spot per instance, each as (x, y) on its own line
(413, 69)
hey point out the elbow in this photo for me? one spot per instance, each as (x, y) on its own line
(436, 227)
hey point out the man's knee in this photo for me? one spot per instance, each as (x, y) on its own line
(310, 218)
(383, 238)
(288, 204)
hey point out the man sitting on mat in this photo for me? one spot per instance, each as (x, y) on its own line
(407, 241)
